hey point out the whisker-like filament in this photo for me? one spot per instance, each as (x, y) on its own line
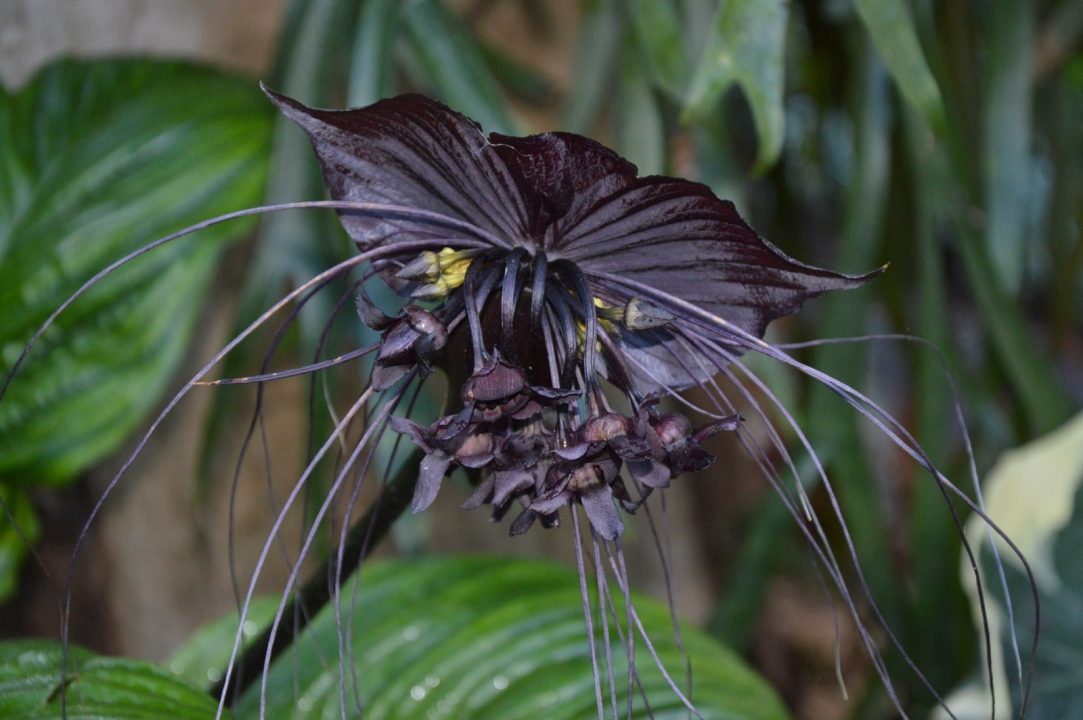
(385, 410)
(622, 583)
(883, 421)
(664, 547)
(603, 594)
(968, 449)
(294, 372)
(264, 552)
(587, 612)
(631, 647)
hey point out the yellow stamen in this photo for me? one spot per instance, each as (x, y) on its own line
(439, 272)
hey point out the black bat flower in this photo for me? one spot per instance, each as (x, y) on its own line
(584, 271)
(564, 297)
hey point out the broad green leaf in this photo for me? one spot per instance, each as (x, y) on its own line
(1028, 366)
(934, 534)
(834, 433)
(370, 68)
(746, 48)
(454, 64)
(596, 59)
(293, 246)
(98, 688)
(521, 81)
(1066, 151)
(100, 158)
(486, 637)
(203, 657)
(892, 30)
(15, 539)
(641, 130)
(1035, 494)
(696, 18)
(1010, 175)
(656, 30)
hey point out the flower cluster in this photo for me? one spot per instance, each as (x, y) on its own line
(580, 291)
(534, 448)
(540, 445)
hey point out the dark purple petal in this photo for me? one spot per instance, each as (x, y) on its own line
(384, 376)
(518, 452)
(572, 452)
(551, 502)
(474, 461)
(559, 173)
(678, 237)
(691, 458)
(620, 492)
(650, 472)
(497, 380)
(555, 394)
(630, 447)
(429, 478)
(481, 494)
(726, 424)
(509, 483)
(550, 520)
(418, 433)
(397, 344)
(411, 151)
(602, 512)
(523, 522)
(371, 315)
(453, 426)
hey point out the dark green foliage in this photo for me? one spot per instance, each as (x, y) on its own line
(99, 158)
(475, 637)
(98, 688)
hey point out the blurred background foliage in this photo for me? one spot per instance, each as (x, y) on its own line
(943, 138)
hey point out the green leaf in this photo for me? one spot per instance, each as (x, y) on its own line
(98, 688)
(203, 658)
(520, 80)
(486, 637)
(454, 64)
(656, 31)
(15, 539)
(892, 31)
(99, 158)
(1028, 366)
(747, 48)
(1035, 494)
(595, 62)
(370, 68)
(641, 130)
(934, 535)
(1010, 176)
(293, 246)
